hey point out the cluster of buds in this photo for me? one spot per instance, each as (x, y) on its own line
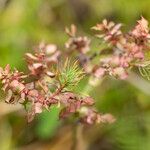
(110, 32)
(13, 84)
(141, 31)
(45, 56)
(42, 89)
(82, 108)
(79, 43)
(128, 50)
(91, 116)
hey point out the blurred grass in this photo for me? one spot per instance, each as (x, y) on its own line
(47, 124)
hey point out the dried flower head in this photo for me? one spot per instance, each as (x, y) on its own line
(141, 31)
(108, 31)
(78, 43)
(45, 56)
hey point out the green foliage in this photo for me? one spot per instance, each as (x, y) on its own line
(69, 74)
(145, 70)
(47, 123)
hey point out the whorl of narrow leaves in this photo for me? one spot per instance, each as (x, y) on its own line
(69, 74)
(145, 69)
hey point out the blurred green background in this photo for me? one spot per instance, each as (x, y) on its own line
(25, 23)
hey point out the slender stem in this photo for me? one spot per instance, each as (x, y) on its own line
(74, 137)
(92, 83)
(139, 83)
(59, 90)
(95, 55)
(44, 89)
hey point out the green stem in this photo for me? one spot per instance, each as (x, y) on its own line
(92, 83)
(74, 137)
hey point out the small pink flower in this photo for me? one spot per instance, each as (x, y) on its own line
(99, 72)
(120, 73)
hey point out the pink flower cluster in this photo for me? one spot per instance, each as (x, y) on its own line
(44, 58)
(126, 50)
(44, 87)
(41, 88)
(79, 43)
